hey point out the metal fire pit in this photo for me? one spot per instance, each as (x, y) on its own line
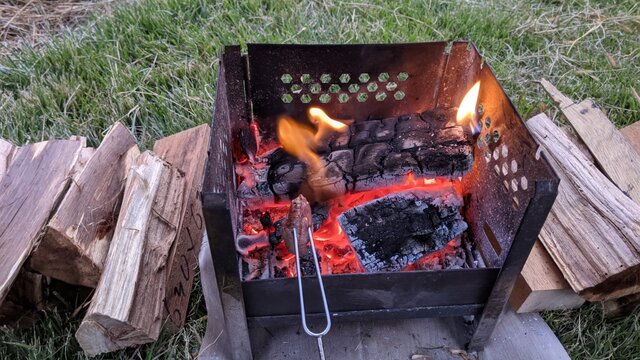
(508, 193)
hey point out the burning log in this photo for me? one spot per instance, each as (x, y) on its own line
(367, 155)
(422, 222)
(300, 219)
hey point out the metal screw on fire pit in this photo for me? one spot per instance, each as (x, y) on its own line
(303, 313)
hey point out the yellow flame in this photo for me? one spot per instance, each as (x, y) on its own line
(319, 117)
(467, 108)
(326, 125)
(299, 141)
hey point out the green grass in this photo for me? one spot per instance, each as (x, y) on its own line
(152, 65)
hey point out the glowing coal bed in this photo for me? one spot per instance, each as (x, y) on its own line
(385, 195)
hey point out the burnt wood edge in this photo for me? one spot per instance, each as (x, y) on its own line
(370, 315)
(530, 226)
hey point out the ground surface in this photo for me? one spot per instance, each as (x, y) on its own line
(152, 65)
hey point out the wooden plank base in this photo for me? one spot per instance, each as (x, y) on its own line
(541, 285)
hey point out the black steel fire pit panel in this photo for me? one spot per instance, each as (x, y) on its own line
(423, 63)
(508, 193)
(360, 292)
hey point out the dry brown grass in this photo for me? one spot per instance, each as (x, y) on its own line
(33, 22)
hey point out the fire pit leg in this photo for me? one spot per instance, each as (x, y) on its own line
(534, 218)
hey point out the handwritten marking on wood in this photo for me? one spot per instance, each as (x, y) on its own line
(126, 308)
(187, 151)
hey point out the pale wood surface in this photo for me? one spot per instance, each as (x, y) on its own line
(187, 151)
(517, 336)
(626, 304)
(78, 235)
(616, 157)
(38, 176)
(541, 285)
(126, 308)
(6, 153)
(632, 134)
(599, 252)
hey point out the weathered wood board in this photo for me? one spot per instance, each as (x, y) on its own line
(78, 235)
(541, 285)
(599, 253)
(625, 305)
(126, 309)
(31, 189)
(615, 156)
(632, 134)
(6, 153)
(187, 151)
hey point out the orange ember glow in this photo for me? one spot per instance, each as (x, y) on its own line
(301, 141)
(331, 242)
(467, 109)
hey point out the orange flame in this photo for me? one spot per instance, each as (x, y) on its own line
(325, 123)
(301, 141)
(467, 109)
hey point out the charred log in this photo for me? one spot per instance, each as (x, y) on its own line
(390, 232)
(372, 153)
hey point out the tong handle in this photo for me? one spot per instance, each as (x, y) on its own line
(303, 312)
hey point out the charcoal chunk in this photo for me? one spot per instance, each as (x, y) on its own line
(390, 232)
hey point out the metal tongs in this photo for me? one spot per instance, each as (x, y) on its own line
(303, 312)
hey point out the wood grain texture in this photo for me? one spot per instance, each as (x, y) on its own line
(617, 158)
(187, 151)
(78, 235)
(626, 304)
(541, 285)
(599, 252)
(29, 192)
(6, 153)
(126, 309)
(632, 134)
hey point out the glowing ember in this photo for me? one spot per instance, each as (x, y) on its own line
(332, 243)
(467, 109)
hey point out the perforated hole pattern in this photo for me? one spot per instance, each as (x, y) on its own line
(305, 88)
(496, 154)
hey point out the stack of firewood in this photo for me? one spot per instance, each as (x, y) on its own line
(589, 247)
(126, 223)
